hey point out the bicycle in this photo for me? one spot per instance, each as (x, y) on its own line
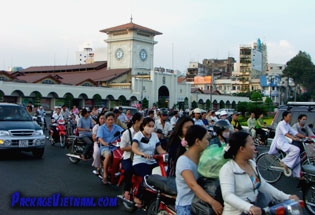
(269, 167)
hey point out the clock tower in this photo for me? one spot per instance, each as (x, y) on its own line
(131, 46)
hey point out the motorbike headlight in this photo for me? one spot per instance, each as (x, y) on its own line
(38, 133)
(4, 133)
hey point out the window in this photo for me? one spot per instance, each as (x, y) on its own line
(87, 84)
(163, 80)
(48, 81)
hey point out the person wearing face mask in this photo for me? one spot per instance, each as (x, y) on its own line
(210, 163)
(301, 126)
(144, 144)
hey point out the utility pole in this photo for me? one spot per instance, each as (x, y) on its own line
(211, 89)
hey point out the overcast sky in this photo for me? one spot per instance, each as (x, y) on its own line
(42, 32)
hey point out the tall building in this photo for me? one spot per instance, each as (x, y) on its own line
(219, 67)
(252, 64)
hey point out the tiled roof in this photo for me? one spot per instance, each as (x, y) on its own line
(78, 67)
(71, 76)
(130, 26)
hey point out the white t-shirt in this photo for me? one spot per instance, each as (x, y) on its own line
(146, 148)
(125, 141)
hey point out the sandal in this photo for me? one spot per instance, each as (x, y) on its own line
(83, 157)
(286, 168)
(96, 172)
(104, 180)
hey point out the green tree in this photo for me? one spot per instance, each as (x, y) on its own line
(268, 103)
(194, 104)
(256, 96)
(302, 70)
(242, 107)
(145, 103)
(208, 104)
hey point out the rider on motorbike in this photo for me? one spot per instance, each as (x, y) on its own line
(105, 136)
(144, 145)
(57, 116)
(243, 189)
(85, 126)
(210, 163)
(125, 145)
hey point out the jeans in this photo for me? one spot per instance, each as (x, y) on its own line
(128, 171)
(183, 210)
(89, 145)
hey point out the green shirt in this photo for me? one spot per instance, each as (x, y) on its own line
(261, 121)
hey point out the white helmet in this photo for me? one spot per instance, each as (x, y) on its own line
(223, 113)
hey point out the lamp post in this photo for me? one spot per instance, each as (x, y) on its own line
(211, 89)
(270, 80)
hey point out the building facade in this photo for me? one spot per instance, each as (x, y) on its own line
(126, 78)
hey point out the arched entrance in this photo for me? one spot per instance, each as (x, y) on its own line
(163, 97)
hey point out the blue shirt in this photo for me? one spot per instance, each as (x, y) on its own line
(108, 136)
(85, 123)
(184, 194)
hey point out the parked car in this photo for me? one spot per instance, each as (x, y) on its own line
(133, 110)
(229, 111)
(296, 108)
(18, 131)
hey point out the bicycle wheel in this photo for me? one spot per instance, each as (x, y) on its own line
(264, 162)
(309, 198)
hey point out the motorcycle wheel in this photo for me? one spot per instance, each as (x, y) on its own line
(309, 198)
(62, 141)
(72, 151)
(152, 210)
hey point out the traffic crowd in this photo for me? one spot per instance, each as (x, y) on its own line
(214, 167)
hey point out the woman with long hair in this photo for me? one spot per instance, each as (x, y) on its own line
(197, 138)
(177, 144)
(243, 190)
(96, 148)
(125, 145)
(144, 145)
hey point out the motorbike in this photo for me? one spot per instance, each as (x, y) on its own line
(150, 193)
(59, 135)
(165, 190)
(287, 207)
(41, 121)
(76, 147)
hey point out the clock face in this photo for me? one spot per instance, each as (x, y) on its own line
(119, 53)
(143, 54)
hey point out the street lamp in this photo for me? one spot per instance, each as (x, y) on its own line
(270, 80)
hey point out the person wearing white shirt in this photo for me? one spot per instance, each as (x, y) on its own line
(174, 119)
(197, 117)
(165, 126)
(213, 116)
(301, 126)
(281, 142)
(243, 189)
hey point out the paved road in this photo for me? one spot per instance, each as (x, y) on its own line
(55, 174)
(47, 176)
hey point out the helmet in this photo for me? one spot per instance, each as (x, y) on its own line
(220, 126)
(223, 113)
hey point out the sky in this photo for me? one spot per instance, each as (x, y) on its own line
(47, 33)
